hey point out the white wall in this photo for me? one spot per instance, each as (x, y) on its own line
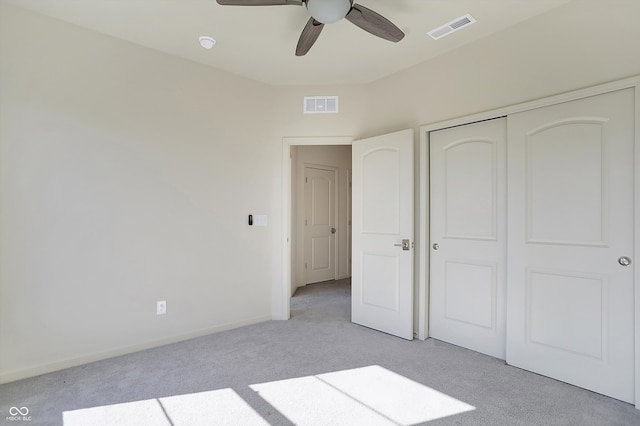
(126, 177)
(338, 157)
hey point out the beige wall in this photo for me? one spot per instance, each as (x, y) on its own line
(350, 121)
(126, 175)
(583, 43)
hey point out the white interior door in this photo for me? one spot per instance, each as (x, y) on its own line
(319, 225)
(570, 302)
(382, 276)
(468, 236)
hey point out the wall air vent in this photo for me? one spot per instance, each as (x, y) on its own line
(452, 27)
(320, 104)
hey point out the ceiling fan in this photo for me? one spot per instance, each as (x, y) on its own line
(327, 12)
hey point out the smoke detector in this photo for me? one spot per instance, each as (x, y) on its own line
(207, 42)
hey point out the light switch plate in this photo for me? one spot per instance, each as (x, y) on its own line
(260, 220)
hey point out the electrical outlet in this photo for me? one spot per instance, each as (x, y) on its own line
(161, 307)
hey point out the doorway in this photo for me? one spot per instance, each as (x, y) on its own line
(319, 214)
(287, 282)
(383, 238)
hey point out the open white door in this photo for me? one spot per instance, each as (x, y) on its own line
(382, 276)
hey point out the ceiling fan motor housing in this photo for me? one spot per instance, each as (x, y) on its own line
(328, 11)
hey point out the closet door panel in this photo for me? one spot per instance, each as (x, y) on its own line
(468, 236)
(570, 214)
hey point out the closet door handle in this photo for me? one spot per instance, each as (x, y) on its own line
(624, 261)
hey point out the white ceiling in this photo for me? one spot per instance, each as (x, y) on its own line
(259, 42)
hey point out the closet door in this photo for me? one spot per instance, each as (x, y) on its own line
(468, 236)
(570, 212)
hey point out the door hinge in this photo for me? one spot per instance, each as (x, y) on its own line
(305, 265)
(306, 180)
(305, 222)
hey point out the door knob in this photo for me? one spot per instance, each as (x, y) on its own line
(624, 261)
(405, 245)
(436, 246)
(333, 230)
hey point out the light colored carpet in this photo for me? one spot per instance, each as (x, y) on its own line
(317, 368)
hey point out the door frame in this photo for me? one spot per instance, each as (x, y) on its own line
(282, 287)
(302, 213)
(424, 240)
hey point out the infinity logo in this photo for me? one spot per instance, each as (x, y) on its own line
(14, 411)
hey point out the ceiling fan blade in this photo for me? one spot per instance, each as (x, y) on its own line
(374, 23)
(259, 2)
(309, 36)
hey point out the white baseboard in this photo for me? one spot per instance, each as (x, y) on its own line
(36, 370)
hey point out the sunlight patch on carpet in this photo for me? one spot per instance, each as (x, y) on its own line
(219, 407)
(370, 395)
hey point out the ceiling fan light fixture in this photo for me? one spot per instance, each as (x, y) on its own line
(328, 11)
(207, 42)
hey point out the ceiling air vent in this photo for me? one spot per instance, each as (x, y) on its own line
(452, 27)
(320, 104)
